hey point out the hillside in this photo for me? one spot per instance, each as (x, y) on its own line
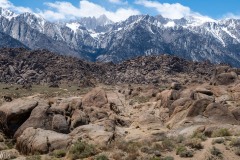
(43, 67)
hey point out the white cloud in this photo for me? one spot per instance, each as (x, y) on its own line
(48, 14)
(118, 1)
(61, 10)
(174, 11)
(18, 9)
(231, 16)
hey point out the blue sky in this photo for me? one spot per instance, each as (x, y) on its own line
(118, 10)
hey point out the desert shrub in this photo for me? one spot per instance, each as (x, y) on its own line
(167, 158)
(223, 132)
(82, 150)
(146, 150)
(129, 147)
(101, 157)
(58, 153)
(180, 139)
(167, 144)
(199, 135)
(216, 152)
(182, 151)
(194, 143)
(219, 141)
(186, 153)
(235, 142)
(35, 157)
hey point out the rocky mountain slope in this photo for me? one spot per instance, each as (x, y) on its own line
(9, 42)
(43, 67)
(98, 39)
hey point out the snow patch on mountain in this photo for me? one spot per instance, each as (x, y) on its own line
(7, 14)
(73, 26)
(170, 24)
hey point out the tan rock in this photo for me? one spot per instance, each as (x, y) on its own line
(39, 118)
(219, 113)
(79, 118)
(59, 124)
(9, 154)
(96, 97)
(198, 107)
(98, 133)
(41, 141)
(13, 114)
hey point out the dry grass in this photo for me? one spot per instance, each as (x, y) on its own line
(16, 91)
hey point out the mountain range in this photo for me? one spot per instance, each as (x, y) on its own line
(194, 38)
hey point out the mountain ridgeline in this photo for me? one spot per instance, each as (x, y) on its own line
(100, 39)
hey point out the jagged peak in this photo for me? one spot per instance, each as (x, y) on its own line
(7, 13)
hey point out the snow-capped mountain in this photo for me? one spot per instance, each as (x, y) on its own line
(99, 39)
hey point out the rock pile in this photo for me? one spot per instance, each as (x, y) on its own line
(36, 67)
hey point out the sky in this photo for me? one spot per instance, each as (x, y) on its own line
(118, 10)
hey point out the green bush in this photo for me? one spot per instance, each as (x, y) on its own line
(194, 143)
(168, 144)
(101, 157)
(36, 157)
(58, 153)
(129, 147)
(168, 158)
(82, 150)
(182, 151)
(223, 132)
(199, 135)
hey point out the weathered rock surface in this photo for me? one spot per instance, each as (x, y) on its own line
(13, 114)
(39, 118)
(41, 141)
(97, 133)
(97, 98)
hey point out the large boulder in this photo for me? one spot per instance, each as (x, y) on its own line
(225, 78)
(96, 97)
(41, 141)
(219, 113)
(59, 124)
(100, 133)
(179, 105)
(39, 118)
(236, 113)
(78, 118)
(167, 97)
(15, 113)
(198, 107)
